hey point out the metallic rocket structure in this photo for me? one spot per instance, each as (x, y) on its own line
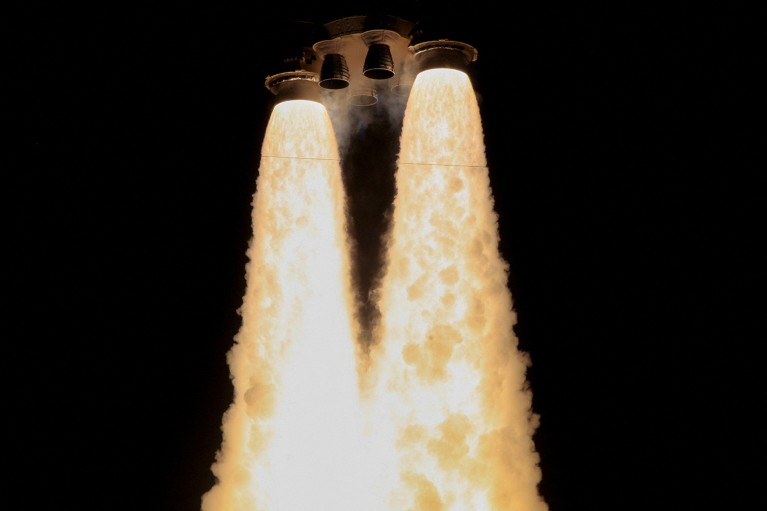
(359, 56)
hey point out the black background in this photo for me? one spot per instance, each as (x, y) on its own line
(622, 147)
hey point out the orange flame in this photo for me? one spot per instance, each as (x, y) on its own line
(447, 386)
(292, 436)
(444, 421)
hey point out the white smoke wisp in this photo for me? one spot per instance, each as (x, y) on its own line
(449, 404)
(343, 116)
(292, 437)
(349, 120)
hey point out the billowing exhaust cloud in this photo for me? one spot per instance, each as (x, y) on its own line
(446, 384)
(424, 406)
(292, 438)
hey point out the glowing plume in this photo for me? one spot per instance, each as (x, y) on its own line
(292, 437)
(447, 389)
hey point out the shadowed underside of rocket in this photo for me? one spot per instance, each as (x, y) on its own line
(355, 58)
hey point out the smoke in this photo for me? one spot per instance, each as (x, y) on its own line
(292, 438)
(350, 121)
(446, 384)
(368, 142)
(422, 403)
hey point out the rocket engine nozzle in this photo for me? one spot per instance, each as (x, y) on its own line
(443, 53)
(294, 85)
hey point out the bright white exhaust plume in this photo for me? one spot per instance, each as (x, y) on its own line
(443, 419)
(446, 386)
(292, 437)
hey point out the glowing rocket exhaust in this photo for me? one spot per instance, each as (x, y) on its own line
(292, 436)
(441, 418)
(446, 378)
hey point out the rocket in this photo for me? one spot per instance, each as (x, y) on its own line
(359, 57)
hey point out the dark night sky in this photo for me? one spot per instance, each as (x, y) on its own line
(626, 180)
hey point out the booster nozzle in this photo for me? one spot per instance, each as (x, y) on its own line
(294, 85)
(443, 53)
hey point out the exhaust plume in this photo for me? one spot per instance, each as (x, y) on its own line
(292, 436)
(446, 385)
(422, 402)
